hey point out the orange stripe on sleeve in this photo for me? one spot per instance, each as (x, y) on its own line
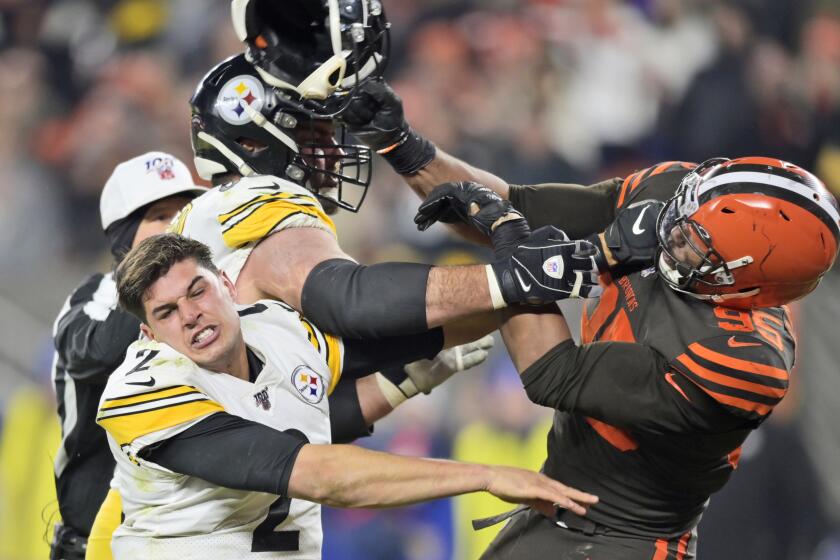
(616, 437)
(735, 402)
(661, 550)
(729, 381)
(682, 546)
(735, 363)
(624, 190)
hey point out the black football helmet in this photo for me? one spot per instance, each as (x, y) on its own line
(318, 51)
(242, 125)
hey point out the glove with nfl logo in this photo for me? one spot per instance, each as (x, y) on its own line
(547, 267)
(400, 384)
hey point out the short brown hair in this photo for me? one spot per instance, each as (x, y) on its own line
(149, 261)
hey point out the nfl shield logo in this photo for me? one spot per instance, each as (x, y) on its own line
(309, 385)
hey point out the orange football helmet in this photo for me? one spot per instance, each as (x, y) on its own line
(760, 232)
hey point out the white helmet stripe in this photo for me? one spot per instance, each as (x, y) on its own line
(238, 9)
(335, 26)
(776, 180)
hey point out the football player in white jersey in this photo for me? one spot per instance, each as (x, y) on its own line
(220, 425)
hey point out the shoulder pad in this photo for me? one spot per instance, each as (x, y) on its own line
(154, 389)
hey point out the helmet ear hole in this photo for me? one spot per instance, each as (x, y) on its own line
(783, 215)
(728, 211)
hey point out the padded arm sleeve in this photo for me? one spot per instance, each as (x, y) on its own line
(356, 301)
(347, 422)
(363, 357)
(255, 457)
(578, 210)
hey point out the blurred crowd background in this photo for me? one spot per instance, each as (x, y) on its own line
(534, 90)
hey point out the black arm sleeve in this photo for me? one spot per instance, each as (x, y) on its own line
(365, 356)
(346, 420)
(579, 211)
(92, 334)
(230, 451)
(625, 385)
(357, 301)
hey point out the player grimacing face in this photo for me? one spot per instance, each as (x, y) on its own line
(192, 310)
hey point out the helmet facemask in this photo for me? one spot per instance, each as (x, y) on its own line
(687, 259)
(243, 126)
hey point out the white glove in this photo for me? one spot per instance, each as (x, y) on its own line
(425, 375)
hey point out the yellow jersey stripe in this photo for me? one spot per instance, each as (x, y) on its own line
(125, 428)
(242, 208)
(264, 219)
(224, 218)
(180, 221)
(333, 359)
(310, 333)
(149, 396)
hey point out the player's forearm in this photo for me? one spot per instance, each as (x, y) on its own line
(372, 401)
(349, 476)
(453, 293)
(530, 332)
(446, 168)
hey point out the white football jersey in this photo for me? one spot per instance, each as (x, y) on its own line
(232, 218)
(158, 392)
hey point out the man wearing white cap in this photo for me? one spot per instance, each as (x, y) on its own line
(91, 335)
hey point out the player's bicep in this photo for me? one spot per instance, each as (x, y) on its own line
(623, 384)
(279, 265)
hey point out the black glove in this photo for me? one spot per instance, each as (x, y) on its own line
(375, 117)
(631, 238)
(478, 206)
(546, 268)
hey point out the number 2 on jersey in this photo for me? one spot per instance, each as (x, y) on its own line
(266, 539)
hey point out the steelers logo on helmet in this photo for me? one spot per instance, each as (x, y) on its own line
(309, 384)
(237, 96)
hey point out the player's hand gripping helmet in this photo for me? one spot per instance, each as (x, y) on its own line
(748, 232)
(316, 50)
(242, 125)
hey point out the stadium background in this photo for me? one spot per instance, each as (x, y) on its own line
(539, 90)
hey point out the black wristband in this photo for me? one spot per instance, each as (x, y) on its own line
(412, 154)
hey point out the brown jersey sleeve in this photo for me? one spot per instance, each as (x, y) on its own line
(576, 209)
(626, 385)
(743, 373)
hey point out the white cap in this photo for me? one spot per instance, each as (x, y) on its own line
(141, 181)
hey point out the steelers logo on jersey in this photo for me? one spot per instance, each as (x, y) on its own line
(237, 95)
(310, 385)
